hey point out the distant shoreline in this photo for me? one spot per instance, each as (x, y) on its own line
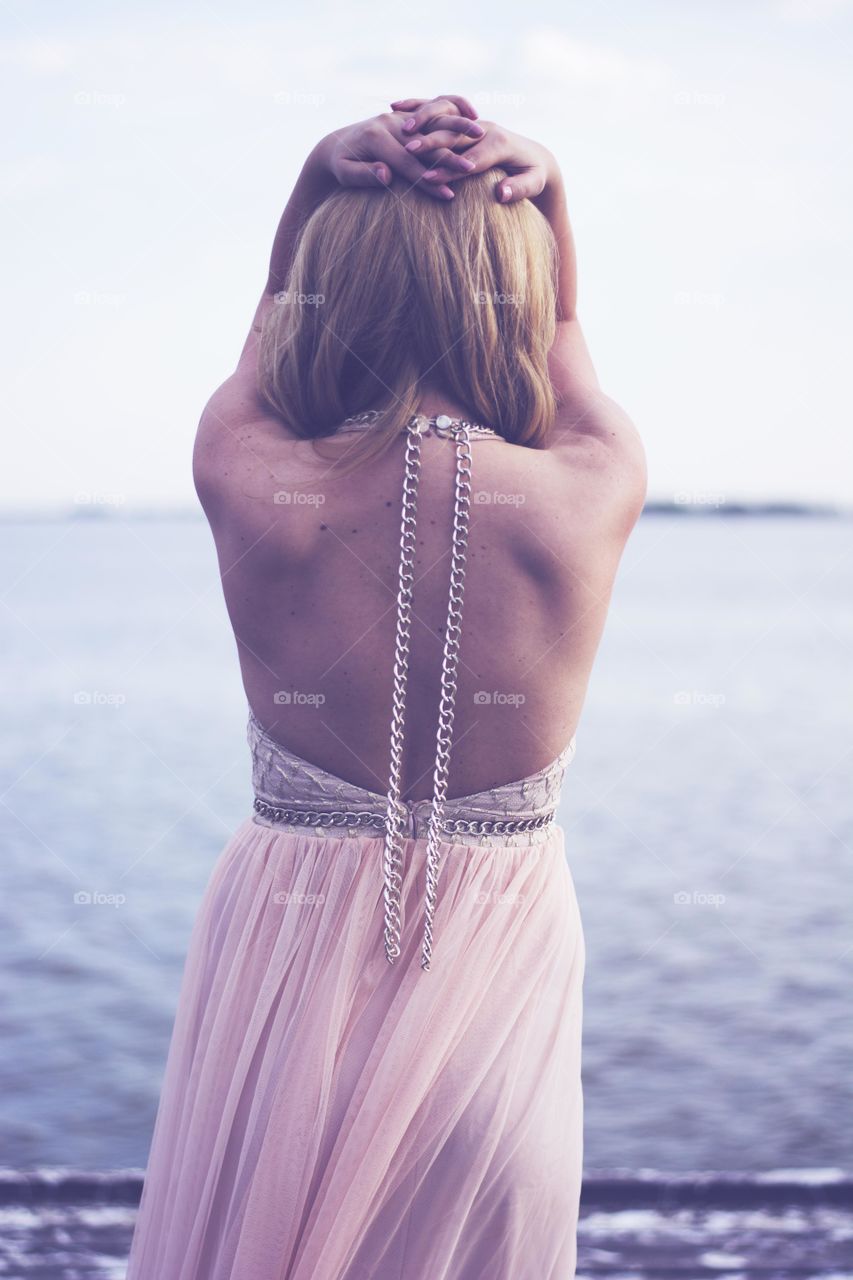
(688, 509)
(735, 508)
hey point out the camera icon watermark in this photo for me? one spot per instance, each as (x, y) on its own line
(94, 898)
(293, 497)
(494, 497)
(95, 498)
(498, 698)
(292, 297)
(696, 898)
(699, 498)
(494, 898)
(95, 98)
(498, 299)
(698, 98)
(298, 98)
(93, 298)
(297, 698)
(698, 698)
(96, 698)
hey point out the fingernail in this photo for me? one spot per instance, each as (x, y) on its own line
(379, 171)
(506, 193)
(446, 192)
(409, 124)
(414, 145)
(475, 131)
(430, 173)
(467, 164)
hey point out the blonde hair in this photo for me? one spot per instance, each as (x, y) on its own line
(389, 287)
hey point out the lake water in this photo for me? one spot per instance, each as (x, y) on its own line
(707, 820)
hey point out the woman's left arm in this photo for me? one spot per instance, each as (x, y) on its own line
(314, 184)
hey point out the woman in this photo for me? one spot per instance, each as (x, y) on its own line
(375, 1067)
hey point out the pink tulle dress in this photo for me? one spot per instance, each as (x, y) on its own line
(374, 1072)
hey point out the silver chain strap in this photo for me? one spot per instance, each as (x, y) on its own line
(461, 432)
(392, 865)
(449, 667)
(392, 861)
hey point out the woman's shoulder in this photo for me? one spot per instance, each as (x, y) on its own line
(588, 485)
(237, 436)
(597, 448)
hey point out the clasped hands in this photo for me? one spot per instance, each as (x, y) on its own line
(433, 143)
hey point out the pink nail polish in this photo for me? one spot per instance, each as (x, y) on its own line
(414, 145)
(430, 173)
(409, 124)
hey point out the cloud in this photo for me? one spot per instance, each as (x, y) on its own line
(32, 175)
(34, 55)
(810, 12)
(549, 51)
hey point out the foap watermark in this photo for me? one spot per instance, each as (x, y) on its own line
(698, 98)
(293, 497)
(286, 899)
(498, 698)
(495, 899)
(293, 298)
(96, 698)
(494, 497)
(296, 698)
(96, 498)
(699, 498)
(95, 898)
(698, 898)
(498, 299)
(698, 298)
(96, 98)
(498, 98)
(94, 298)
(298, 98)
(698, 698)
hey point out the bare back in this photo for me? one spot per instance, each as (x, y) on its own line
(309, 563)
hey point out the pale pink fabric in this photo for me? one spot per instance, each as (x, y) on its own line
(328, 1116)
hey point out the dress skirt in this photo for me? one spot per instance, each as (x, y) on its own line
(327, 1116)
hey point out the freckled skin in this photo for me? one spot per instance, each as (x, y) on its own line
(313, 601)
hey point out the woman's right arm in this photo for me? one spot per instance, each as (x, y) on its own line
(569, 360)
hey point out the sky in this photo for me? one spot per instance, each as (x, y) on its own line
(706, 154)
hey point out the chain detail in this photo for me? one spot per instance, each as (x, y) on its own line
(392, 862)
(364, 818)
(449, 667)
(318, 817)
(461, 432)
(442, 425)
(496, 826)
